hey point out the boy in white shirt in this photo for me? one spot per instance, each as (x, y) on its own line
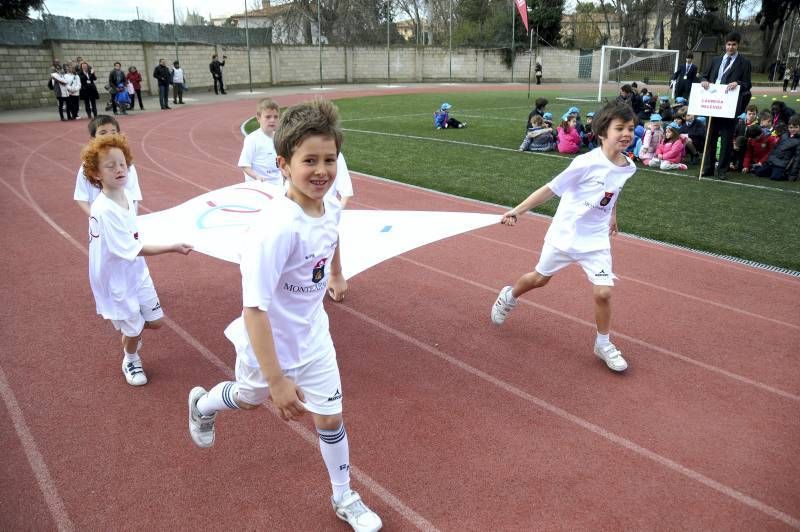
(283, 346)
(85, 193)
(178, 79)
(120, 281)
(587, 214)
(258, 159)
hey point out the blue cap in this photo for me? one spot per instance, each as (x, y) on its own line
(664, 98)
(674, 125)
(548, 116)
(655, 117)
(565, 117)
(680, 99)
(589, 114)
(700, 119)
(646, 98)
(638, 131)
(573, 110)
(446, 106)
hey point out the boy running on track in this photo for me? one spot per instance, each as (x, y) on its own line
(283, 346)
(258, 159)
(85, 192)
(586, 216)
(120, 281)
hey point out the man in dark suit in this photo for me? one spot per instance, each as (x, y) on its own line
(685, 76)
(731, 70)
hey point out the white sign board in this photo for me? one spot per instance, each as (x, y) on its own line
(717, 100)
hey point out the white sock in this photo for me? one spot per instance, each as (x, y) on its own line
(130, 357)
(220, 397)
(603, 339)
(336, 454)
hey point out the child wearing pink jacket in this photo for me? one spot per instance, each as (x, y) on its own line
(671, 150)
(569, 140)
(652, 139)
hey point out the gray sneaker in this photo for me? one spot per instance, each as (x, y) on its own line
(504, 304)
(353, 510)
(611, 356)
(201, 428)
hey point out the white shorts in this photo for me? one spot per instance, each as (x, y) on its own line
(319, 380)
(596, 264)
(149, 310)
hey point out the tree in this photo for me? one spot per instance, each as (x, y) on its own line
(193, 18)
(771, 18)
(415, 11)
(18, 9)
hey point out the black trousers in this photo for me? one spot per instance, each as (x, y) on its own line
(90, 104)
(73, 104)
(218, 80)
(177, 92)
(723, 129)
(62, 107)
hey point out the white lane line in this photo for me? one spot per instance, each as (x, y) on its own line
(579, 421)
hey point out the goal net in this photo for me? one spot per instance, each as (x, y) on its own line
(651, 68)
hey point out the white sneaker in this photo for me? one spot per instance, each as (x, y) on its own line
(504, 304)
(201, 428)
(353, 510)
(611, 356)
(134, 373)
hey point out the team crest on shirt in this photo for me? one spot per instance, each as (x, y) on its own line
(606, 199)
(319, 271)
(136, 235)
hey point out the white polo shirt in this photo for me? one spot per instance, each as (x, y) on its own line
(116, 271)
(285, 269)
(258, 152)
(85, 191)
(589, 189)
(343, 185)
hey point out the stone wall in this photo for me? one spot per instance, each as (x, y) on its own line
(23, 83)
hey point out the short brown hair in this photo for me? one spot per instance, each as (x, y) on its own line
(794, 120)
(101, 120)
(267, 103)
(610, 112)
(752, 107)
(91, 153)
(317, 117)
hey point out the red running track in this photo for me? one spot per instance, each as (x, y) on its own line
(454, 424)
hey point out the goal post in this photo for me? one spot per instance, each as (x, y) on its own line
(621, 65)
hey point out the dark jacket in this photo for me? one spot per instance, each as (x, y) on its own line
(115, 77)
(163, 75)
(739, 72)
(786, 150)
(88, 85)
(215, 67)
(683, 78)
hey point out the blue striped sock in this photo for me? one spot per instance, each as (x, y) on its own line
(220, 397)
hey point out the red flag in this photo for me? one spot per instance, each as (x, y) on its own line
(522, 7)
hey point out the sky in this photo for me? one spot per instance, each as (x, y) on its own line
(153, 10)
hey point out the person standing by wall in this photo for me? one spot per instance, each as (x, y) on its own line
(732, 70)
(178, 78)
(115, 78)
(216, 73)
(136, 80)
(164, 77)
(88, 92)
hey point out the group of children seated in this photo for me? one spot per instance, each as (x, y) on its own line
(668, 137)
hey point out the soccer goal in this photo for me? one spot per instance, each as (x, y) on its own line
(646, 66)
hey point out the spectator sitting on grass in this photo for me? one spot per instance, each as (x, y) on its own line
(680, 104)
(746, 119)
(784, 161)
(759, 146)
(443, 120)
(765, 121)
(540, 103)
(548, 120)
(652, 138)
(647, 108)
(780, 113)
(665, 109)
(539, 137)
(589, 136)
(671, 150)
(569, 140)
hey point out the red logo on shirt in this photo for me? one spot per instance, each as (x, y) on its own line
(604, 201)
(319, 271)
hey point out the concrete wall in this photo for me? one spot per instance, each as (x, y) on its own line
(23, 82)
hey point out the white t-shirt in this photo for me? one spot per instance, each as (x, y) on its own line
(285, 269)
(259, 153)
(85, 191)
(589, 189)
(177, 75)
(343, 185)
(116, 271)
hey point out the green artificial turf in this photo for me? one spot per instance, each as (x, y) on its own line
(393, 137)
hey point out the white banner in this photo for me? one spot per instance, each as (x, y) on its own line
(717, 101)
(217, 223)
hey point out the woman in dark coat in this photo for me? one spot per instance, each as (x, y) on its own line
(88, 93)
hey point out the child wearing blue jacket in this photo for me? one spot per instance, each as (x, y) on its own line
(443, 120)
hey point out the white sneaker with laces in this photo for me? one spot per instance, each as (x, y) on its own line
(134, 373)
(353, 510)
(611, 356)
(201, 428)
(504, 304)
